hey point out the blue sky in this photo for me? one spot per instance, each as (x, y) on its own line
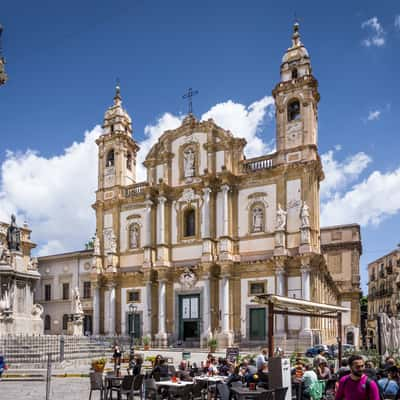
(63, 59)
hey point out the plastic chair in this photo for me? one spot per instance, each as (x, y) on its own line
(150, 390)
(223, 391)
(125, 386)
(198, 391)
(96, 383)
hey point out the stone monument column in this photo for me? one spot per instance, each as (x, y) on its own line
(161, 220)
(280, 291)
(147, 235)
(96, 308)
(162, 336)
(225, 338)
(206, 309)
(148, 320)
(111, 313)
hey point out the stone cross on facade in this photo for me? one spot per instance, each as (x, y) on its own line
(190, 93)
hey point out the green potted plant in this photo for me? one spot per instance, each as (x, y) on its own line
(146, 342)
(99, 364)
(212, 344)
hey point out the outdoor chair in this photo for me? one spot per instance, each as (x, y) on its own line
(96, 383)
(132, 387)
(198, 391)
(126, 384)
(269, 395)
(223, 391)
(150, 390)
(280, 393)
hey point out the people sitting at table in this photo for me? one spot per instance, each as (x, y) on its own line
(234, 375)
(207, 362)
(160, 370)
(223, 366)
(212, 366)
(183, 372)
(248, 371)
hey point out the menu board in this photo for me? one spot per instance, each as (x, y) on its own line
(232, 354)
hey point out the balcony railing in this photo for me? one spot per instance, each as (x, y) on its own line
(257, 164)
(135, 189)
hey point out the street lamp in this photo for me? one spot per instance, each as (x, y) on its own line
(132, 312)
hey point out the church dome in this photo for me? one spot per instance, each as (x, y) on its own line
(297, 51)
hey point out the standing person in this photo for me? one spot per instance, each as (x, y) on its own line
(389, 385)
(2, 366)
(323, 371)
(318, 358)
(137, 366)
(261, 359)
(117, 359)
(309, 380)
(357, 385)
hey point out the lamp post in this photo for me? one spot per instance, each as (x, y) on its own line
(132, 312)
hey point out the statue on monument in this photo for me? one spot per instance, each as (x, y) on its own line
(96, 246)
(13, 235)
(305, 215)
(4, 253)
(188, 163)
(280, 219)
(258, 219)
(76, 302)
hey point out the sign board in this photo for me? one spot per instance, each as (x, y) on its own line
(186, 355)
(232, 354)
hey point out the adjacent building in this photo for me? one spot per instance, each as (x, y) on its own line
(383, 290)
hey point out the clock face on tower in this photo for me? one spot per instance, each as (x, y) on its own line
(293, 133)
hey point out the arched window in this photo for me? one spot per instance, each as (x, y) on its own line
(294, 73)
(110, 159)
(189, 228)
(293, 110)
(129, 161)
(47, 323)
(134, 236)
(257, 218)
(65, 322)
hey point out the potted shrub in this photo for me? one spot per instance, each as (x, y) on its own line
(212, 344)
(99, 364)
(146, 342)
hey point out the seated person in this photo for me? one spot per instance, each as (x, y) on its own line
(248, 370)
(212, 366)
(161, 369)
(263, 374)
(234, 376)
(389, 385)
(183, 371)
(137, 365)
(223, 366)
(206, 363)
(323, 371)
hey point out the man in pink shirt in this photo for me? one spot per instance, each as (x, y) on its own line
(357, 386)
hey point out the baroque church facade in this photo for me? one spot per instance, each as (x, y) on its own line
(209, 229)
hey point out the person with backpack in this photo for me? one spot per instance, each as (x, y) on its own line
(357, 385)
(388, 386)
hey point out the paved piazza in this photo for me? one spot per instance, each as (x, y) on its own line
(61, 389)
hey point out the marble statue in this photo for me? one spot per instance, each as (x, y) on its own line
(37, 310)
(188, 278)
(134, 237)
(96, 246)
(113, 243)
(5, 302)
(280, 219)
(188, 163)
(305, 215)
(3, 251)
(13, 235)
(258, 219)
(76, 302)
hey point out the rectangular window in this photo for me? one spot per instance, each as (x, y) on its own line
(47, 292)
(65, 291)
(134, 296)
(335, 263)
(257, 288)
(87, 290)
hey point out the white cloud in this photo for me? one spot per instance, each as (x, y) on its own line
(376, 36)
(53, 194)
(368, 202)
(397, 22)
(374, 115)
(339, 174)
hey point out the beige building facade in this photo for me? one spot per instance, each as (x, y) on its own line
(383, 291)
(209, 229)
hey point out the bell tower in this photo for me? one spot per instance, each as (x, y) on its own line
(296, 100)
(117, 149)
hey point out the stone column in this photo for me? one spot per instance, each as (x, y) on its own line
(225, 210)
(280, 291)
(161, 220)
(206, 309)
(162, 309)
(96, 308)
(111, 312)
(305, 293)
(147, 237)
(147, 321)
(225, 304)
(205, 213)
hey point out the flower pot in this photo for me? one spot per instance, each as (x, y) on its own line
(213, 349)
(146, 347)
(98, 367)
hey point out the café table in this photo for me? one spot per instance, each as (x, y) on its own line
(246, 393)
(175, 387)
(211, 379)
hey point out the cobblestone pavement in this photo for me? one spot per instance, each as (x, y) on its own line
(61, 389)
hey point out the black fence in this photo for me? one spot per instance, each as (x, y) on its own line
(35, 349)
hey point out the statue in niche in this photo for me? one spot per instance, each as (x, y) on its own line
(134, 236)
(305, 215)
(96, 246)
(188, 162)
(76, 302)
(280, 219)
(113, 243)
(13, 235)
(258, 219)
